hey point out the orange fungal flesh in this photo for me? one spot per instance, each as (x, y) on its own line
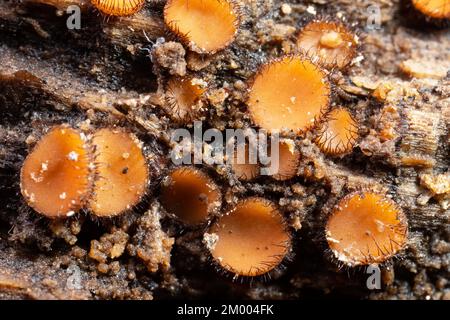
(55, 177)
(438, 9)
(331, 42)
(365, 229)
(207, 25)
(252, 238)
(338, 133)
(288, 94)
(288, 160)
(190, 195)
(183, 97)
(122, 172)
(118, 7)
(244, 170)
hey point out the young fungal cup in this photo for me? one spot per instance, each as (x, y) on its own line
(205, 26)
(56, 178)
(338, 134)
(118, 7)
(183, 96)
(289, 93)
(366, 228)
(332, 43)
(190, 195)
(251, 239)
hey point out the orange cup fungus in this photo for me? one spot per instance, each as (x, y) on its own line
(366, 228)
(436, 9)
(183, 97)
(251, 239)
(122, 172)
(55, 177)
(331, 42)
(190, 194)
(206, 26)
(338, 134)
(118, 7)
(287, 161)
(290, 93)
(244, 170)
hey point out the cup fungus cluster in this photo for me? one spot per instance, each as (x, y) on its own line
(118, 8)
(67, 172)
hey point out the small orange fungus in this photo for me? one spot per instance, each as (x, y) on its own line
(437, 9)
(338, 134)
(190, 194)
(122, 172)
(205, 25)
(245, 167)
(183, 97)
(366, 228)
(287, 161)
(251, 239)
(331, 42)
(55, 177)
(291, 93)
(118, 7)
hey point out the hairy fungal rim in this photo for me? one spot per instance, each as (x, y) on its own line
(268, 65)
(184, 37)
(119, 8)
(266, 269)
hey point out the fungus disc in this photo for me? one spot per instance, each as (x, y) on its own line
(331, 42)
(251, 239)
(338, 134)
(291, 93)
(366, 228)
(438, 9)
(205, 25)
(190, 194)
(118, 7)
(55, 177)
(122, 172)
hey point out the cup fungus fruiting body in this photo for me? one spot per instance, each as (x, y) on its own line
(121, 172)
(338, 133)
(244, 165)
(190, 195)
(183, 97)
(436, 9)
(55, 178)
(206, 26)
(287, 161)
(251, 239)
(331, 42)
(118, 7)
(290, 93)
(366, 228)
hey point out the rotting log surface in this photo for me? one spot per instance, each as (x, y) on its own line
(103, 75)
